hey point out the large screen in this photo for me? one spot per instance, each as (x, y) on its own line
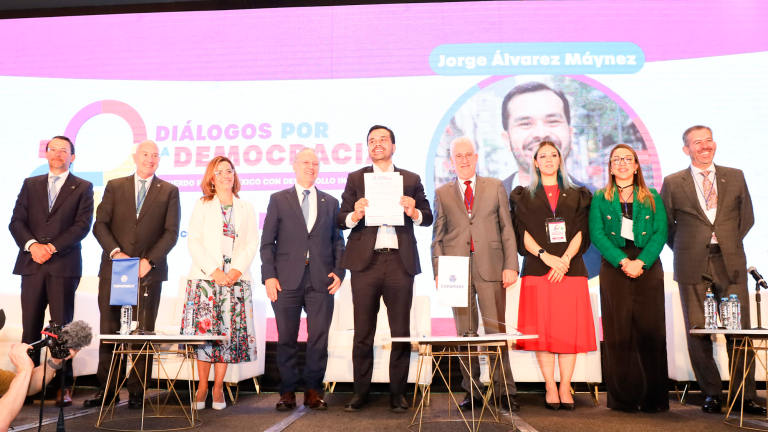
(259, 85)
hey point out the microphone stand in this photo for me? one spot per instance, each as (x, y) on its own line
(141, 308)
(472, 332)
(757, 301)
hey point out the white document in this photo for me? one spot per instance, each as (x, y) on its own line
(383, 191)
(452, 281)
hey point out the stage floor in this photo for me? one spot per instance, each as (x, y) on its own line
(257, 413)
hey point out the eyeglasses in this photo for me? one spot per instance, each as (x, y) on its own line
(628, 160)
(61, 151)
(228, 171)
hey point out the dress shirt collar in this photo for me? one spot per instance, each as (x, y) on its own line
(62, 177)
(376, 168)
(473, 179)
(136, 179)
(697, 171)
(300, 189)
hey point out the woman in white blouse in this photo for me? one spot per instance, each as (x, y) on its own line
(223, 240)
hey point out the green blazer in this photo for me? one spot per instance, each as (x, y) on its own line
(649, 228)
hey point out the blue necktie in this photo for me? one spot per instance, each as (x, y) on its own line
(305, 206)
(142, 195)
(52, 192)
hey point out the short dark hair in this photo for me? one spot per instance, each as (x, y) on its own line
(63, 138)
(531, 87)
(373, 128)
(691, 129)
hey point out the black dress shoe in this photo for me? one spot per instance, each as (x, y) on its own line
(398, 404)
(135, 401)
(469, 401)
(568, 406)
(750, 407)
(97, 400)
(357, 402)
(712, 405)
(511, 406)
(552, 406)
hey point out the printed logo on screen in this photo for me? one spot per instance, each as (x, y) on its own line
(124, 278)
(451, 278)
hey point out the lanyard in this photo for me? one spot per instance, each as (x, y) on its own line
(231, 213)
(714, 179)
(621, 197)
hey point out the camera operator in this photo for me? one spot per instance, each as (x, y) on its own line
(27, 380)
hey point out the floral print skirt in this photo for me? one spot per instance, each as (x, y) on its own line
(223, 311)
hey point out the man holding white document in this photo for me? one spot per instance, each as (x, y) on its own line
(472, 219)
(381, 204)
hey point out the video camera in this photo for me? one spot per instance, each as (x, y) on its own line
(60, 340)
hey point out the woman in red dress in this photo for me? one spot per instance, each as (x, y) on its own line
(551, 223)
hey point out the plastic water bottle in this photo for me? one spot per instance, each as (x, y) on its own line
(735, 309)
(125, 319)
(710, 312)
(725, 314)
(189, 318)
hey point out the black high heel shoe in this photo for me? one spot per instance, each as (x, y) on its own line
(552, 406)
(568, 406)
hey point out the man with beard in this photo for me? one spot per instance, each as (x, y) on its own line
(709, 211)
(53, 214)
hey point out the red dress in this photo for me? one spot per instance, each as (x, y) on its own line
(559, 313)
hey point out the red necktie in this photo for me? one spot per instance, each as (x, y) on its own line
(469, 198)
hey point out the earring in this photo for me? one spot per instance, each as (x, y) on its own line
(213, 186)
(635, 172)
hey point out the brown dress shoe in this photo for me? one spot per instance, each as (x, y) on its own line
(314, 401)
(287, 402)
(63, 399)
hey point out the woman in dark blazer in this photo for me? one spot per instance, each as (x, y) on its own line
(550, 220)
(628, 225)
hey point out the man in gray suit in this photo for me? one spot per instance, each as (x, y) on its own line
(710, 212)
(472, 219)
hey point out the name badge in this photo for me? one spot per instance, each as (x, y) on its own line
(227, 245)
(555, 230)
(626, 229)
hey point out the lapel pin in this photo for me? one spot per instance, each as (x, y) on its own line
(73, 187)
(322, 199)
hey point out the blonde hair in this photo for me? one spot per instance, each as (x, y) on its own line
(643, 193)
(209, 191)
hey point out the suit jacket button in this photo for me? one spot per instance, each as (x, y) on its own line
(137, 225)
(647, 217)
(613, 233)
(609, 216)
(47, 223)
(643, 232)
(309, 237)
(131, 242)
(467, 243)
(707, 246)
(470, 223)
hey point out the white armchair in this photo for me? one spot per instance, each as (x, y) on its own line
(524, 366)
(169, 322)
(340, 340)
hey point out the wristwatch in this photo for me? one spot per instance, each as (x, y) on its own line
(541, 251)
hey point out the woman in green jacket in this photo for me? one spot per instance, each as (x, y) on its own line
(628, 225)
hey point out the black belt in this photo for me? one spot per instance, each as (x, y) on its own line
(714, 248)
(384, 250)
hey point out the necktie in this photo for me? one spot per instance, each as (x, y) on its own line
(305, 206)
(710, 195)
(52, 192)
(142, 195)
(469, 199)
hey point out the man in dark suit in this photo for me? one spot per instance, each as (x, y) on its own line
(710, 212)
(384, 261)
(301, 249)
(138, 217)
(53, 214)
(472, 219)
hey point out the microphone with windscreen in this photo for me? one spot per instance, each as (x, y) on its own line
(59, 340)
(759, 282)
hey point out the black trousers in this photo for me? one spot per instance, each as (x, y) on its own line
(700, 347)
(385, 277)
(634, 336)
(110, 324)
(318, 304)
(58, 294)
